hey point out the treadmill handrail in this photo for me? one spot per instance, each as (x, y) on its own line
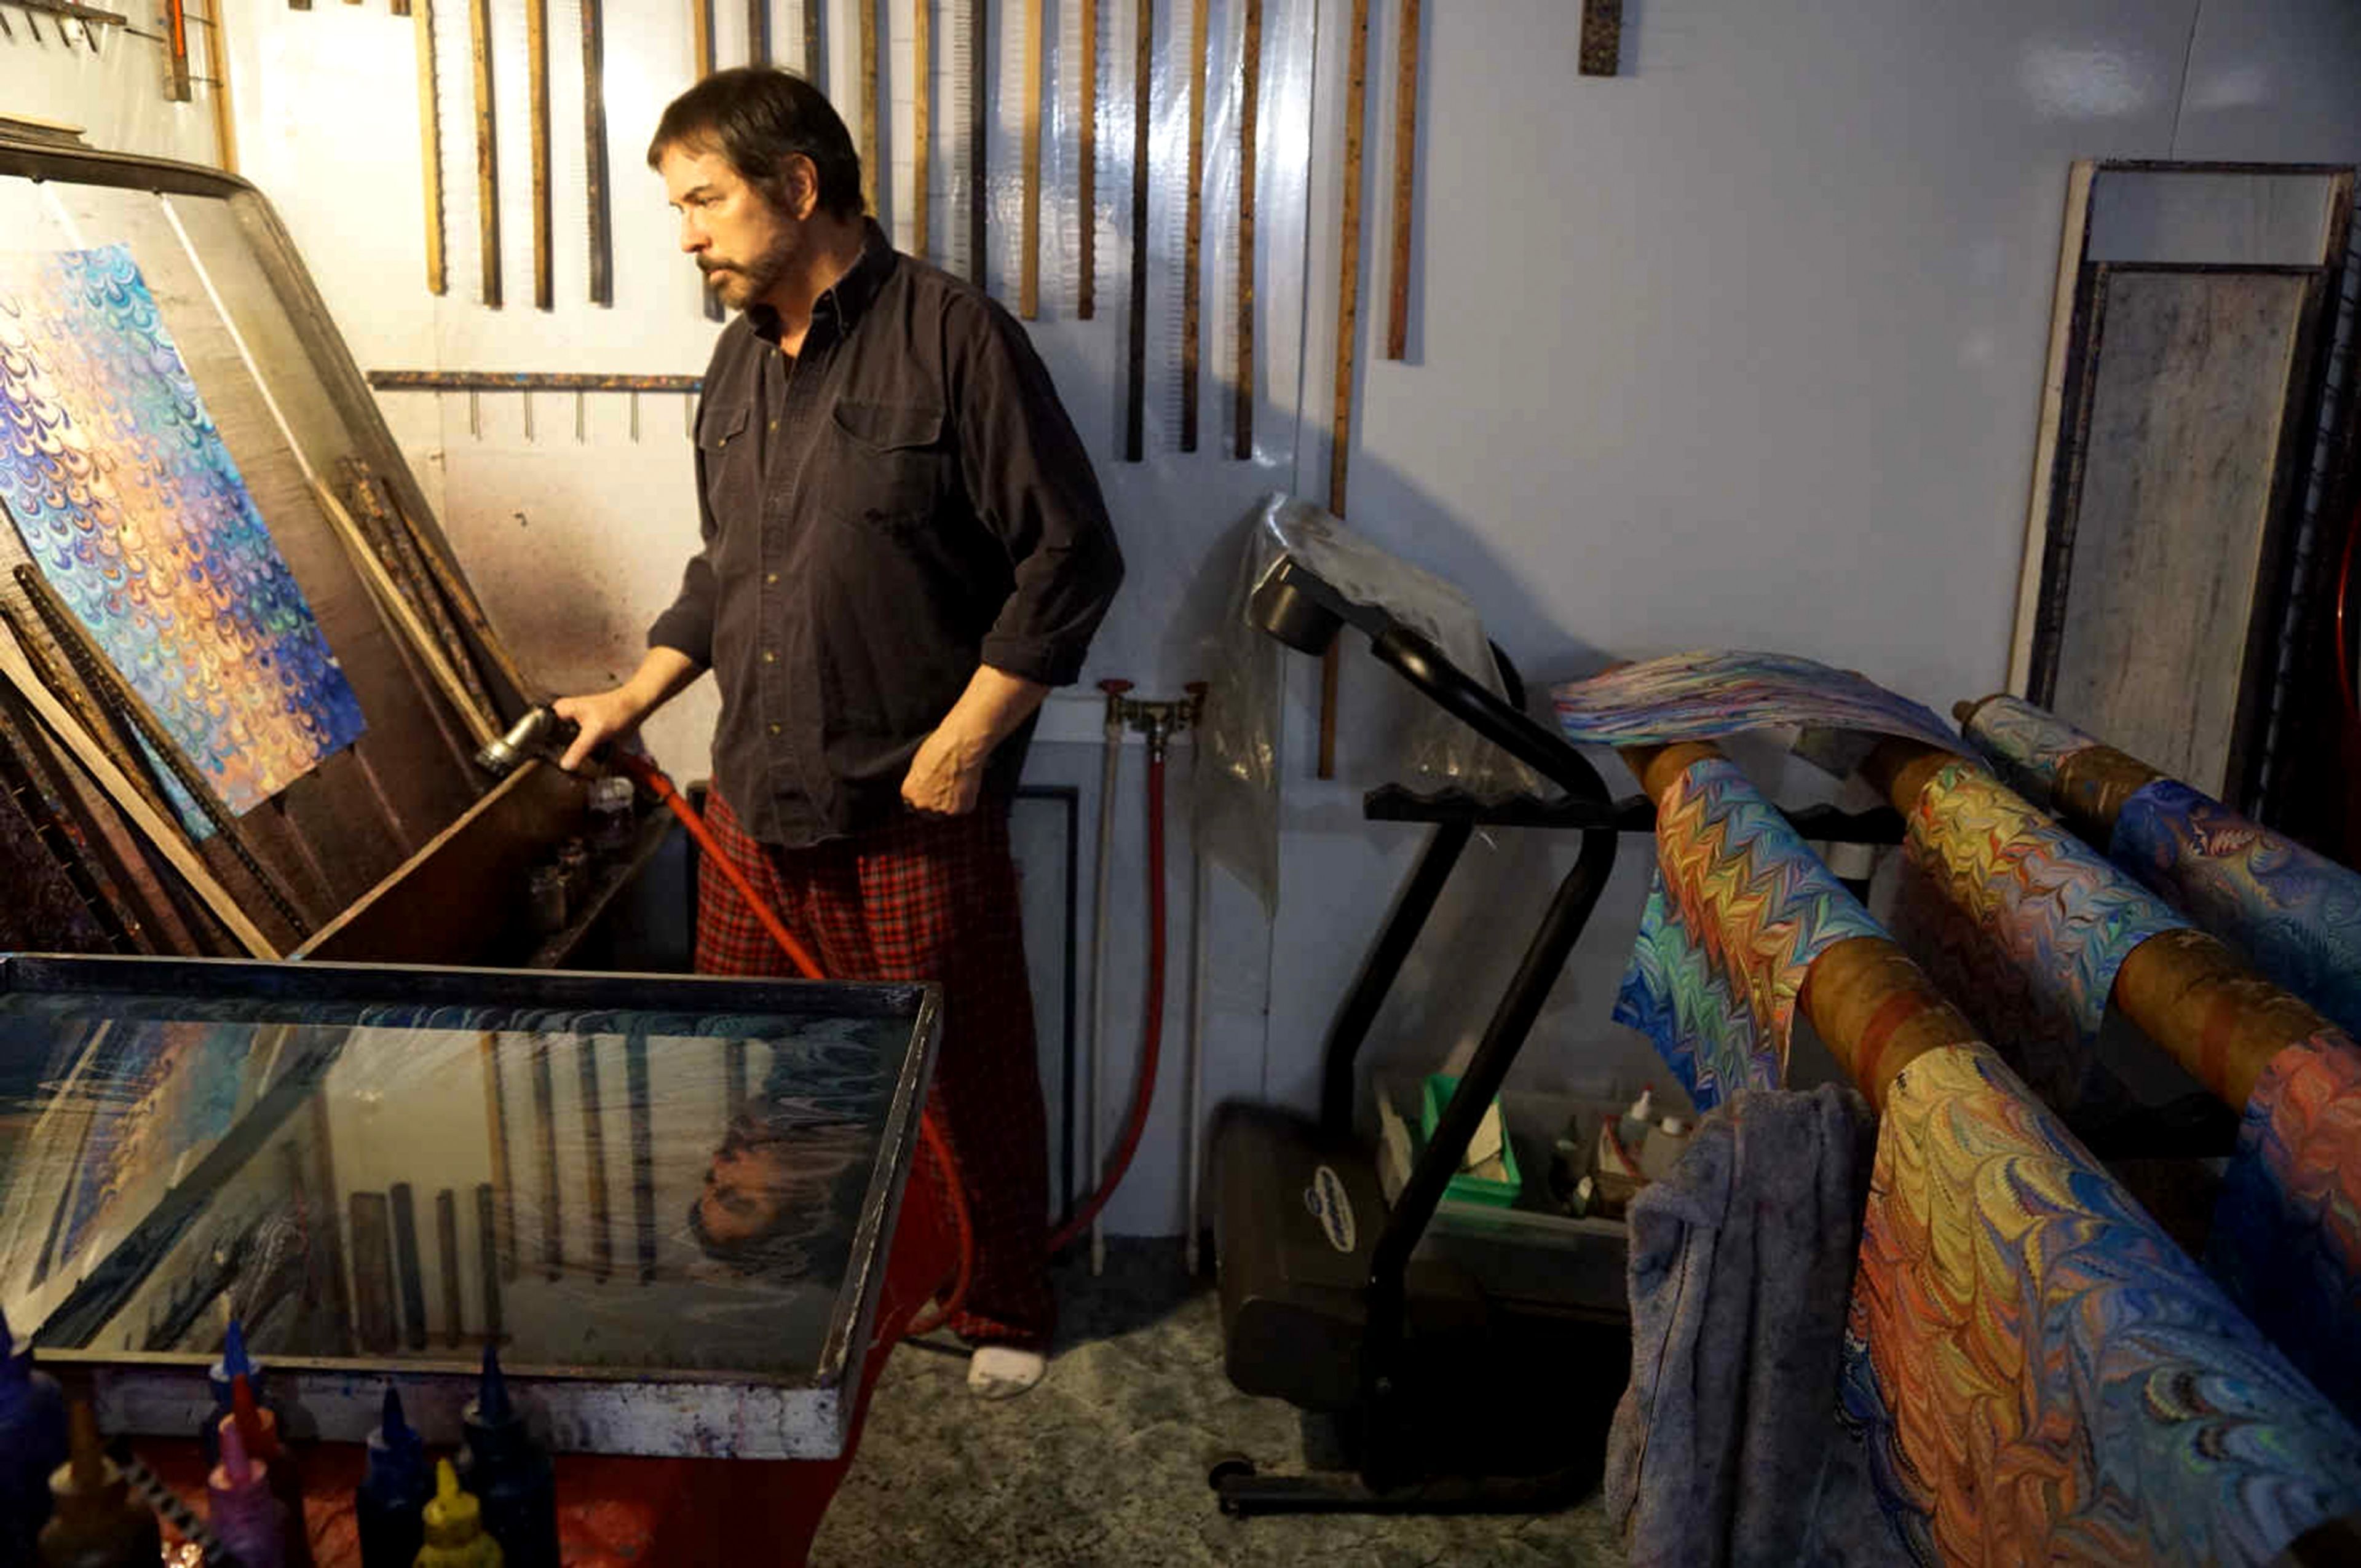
(1414, 657)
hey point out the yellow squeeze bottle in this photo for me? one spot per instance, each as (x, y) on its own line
(455, 1527)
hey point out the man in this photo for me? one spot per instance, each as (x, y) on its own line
(904, 549)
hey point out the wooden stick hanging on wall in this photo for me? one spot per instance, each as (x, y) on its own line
(979, 107)
(430, 142)
(1028, 284)
(1250, 118)
(1348, 326)
(1086, 182)
(488, 150)
(873, 107)
(1135, 415)
(815, 54)
(1193, 242)
(922, 122)
(536, 48)
(1405, 181)
(597, 194)
(758, 32)
(217, 60)
(700, 26)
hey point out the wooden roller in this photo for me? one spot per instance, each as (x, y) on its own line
(1874, 1008)
(2193, 996)
(2092, 783)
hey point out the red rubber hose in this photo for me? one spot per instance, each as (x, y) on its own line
(653, 778)
(1152, 1026)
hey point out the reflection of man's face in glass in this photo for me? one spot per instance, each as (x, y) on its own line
(774, 1185)
(751, 1188)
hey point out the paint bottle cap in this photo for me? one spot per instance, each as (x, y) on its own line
(397, 1456)
(453, 1517)
(491, 1407)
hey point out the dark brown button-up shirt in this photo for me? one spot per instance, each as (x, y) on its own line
(902, 501)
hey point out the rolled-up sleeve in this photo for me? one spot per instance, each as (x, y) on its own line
(1034, 489)
(687, 625)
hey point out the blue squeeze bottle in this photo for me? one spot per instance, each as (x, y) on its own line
(390, 1506)
(33, 1442)
(510, 1474)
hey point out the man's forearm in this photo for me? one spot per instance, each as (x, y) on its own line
(659, 677)
(993, 707)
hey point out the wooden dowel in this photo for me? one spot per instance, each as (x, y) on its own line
(225, 119)
(430, 141)
(922, 122)
(1029, 272)
(536, 51)
(1250, 119)
(1193, 228)
(596, 189)
(1405, 210)
(1086, 172)
(872, 107)
(488, 150)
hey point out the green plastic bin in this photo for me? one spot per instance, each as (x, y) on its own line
(1465, 1187)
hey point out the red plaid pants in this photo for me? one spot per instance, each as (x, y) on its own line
(925, 898)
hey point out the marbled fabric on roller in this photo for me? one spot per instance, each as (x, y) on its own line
(2025, 745)
(131, 506)
(2297, 914)
(2287, 1232)
(1738, 910)
(1697, 696)
(2021, 924)
(2042, 1375)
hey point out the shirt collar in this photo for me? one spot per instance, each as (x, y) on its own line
(844, 301)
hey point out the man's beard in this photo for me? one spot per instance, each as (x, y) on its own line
(740, 287)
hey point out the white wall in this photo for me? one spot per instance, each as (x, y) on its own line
(1742, 347)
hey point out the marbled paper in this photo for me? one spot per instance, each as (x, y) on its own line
(2041, 1375)
(127, 498)
(1708, 693)
(1738, 909)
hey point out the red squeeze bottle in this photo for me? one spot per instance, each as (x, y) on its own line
(259, 1428)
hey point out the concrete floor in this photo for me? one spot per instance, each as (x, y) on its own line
(1104, 1462)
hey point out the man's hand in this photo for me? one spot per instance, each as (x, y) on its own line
(604, 716)
(947, 775)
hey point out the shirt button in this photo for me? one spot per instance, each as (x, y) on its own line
(769, 657)
(774, 730)
(775, 424)
(770, 576)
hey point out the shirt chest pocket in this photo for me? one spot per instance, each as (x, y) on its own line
(883, 466)
(727, 459)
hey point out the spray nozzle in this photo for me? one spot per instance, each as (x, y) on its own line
(233, 1360)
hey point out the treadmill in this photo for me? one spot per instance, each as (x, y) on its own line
(1452, 1389)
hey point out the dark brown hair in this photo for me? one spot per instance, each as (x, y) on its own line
(758, 119)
